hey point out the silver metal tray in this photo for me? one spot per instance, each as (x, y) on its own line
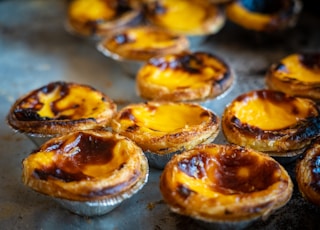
(35, 49)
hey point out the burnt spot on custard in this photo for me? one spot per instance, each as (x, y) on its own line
(224, 170)
(315, 172)
(310, 60)
(156, 8)
(73, 157)
(122, 38)
(184, 191)
(127, 114)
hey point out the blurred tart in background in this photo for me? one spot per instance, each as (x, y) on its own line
(264, 15)
(186, 76)
(98, 17)
(272, 122)
(142, 43)
(297, 74)
(226, 185)
(163, 129)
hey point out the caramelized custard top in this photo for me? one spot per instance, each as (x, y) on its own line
(302, 67)
(190, 70)
(79, 157)
(163, 117)
(226, 170)
(60, 100)
(141, 38)
(271, 110)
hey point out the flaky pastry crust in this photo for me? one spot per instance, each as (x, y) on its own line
(141, 43)
(61, 107)
(224, 183)
(86, 166)
(272, 122)
(268, 16)
(308, 173)
(166, 127)
(296, 74)
(186, 76)
(186, 17)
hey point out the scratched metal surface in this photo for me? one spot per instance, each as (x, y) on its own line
(35, 49)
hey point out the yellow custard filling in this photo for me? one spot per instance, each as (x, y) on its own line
(246, 18)
(296, 70)
(182, 15)
(78, 102)
(167, 117)
(90, 10)
(144, 39)
(267, 115)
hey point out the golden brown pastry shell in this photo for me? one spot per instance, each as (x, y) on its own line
(308, 173)
(160, 42)
(280, 19)
(87, 166)
(283, 142)
(224, 184)
(197, 125)
(279, 77)
(197, 76)
(91, 109)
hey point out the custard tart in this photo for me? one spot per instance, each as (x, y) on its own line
(272, 122)
(264, 15)
(225, 184)
(308, 173)
(88, 172)
(187, 76)
(163, 129)
(141, 43)
(61, 107)
(96, 18)
(297, 74)
(185, 16)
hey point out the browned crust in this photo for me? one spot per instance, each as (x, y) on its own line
(220, 81)
(38, 126)
(230, 202)
(284, 142)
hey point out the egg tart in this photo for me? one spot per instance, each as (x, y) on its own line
(88, 172)
(142, 43)
(186, 76)
(61, 107)
(96, 18)
(264, 15)
(225, 184)
(297, 74)
(308, 173)
(272, 122)
(186, 17)
(163, 129)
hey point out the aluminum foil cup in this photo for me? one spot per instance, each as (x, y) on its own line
(101, 207)
(159, 161)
